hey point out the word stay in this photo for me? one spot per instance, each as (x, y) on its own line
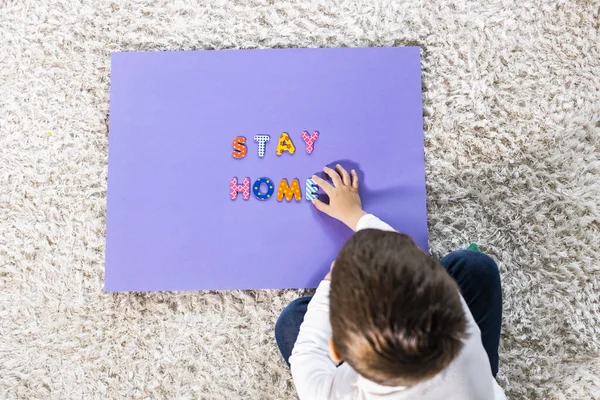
(284, 144)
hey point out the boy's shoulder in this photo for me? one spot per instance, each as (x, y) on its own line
(467, 377)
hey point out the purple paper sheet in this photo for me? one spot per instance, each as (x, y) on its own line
(171, 224)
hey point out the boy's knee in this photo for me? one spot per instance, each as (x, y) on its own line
(472, 262)
(294, 309)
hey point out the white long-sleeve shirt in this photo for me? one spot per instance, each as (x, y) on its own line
(468, 377)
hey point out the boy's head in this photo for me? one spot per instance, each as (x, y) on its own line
(395, 313)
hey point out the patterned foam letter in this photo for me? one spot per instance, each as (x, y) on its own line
(285, 144)
(311, 190)
(257, 186)
(234, 188)
(262, 143)
(309, 140)
(239, 147)
(289, 191)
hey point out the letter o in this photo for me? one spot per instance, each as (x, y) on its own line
(256, 188)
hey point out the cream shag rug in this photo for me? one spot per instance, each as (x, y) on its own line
(511, 92)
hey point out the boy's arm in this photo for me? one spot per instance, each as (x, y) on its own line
(312, 369)
(344, 201)
(370, 221)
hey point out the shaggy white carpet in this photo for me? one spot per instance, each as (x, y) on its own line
(512, 125)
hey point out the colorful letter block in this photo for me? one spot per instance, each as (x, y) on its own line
(285, 144)
(311, 190)
(256, 188)
(309, 140)
(262, 141)
(239, 147)
(244, 188)
(289, 191)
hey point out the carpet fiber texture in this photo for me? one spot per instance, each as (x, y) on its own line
(511, 95)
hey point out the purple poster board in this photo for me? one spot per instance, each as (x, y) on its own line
(171, 224)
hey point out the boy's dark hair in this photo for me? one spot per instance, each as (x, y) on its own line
(396, 314)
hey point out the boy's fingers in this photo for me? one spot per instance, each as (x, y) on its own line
(354, 179)
(321, 206)
(344, 174)
(337, 181)
(323, 184)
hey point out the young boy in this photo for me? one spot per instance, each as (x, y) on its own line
(390, 322)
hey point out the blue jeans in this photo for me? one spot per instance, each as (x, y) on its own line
(479, 281)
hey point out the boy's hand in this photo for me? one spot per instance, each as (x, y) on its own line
(344, 201)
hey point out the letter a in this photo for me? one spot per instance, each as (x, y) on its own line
(285, 144)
